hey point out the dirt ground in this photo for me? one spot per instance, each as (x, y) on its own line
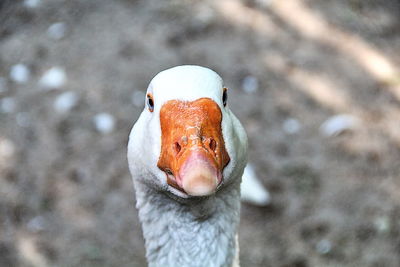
(66, 197)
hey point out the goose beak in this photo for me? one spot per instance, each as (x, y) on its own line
(199, 175)
(193, 153)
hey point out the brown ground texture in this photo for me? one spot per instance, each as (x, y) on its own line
(66, 196)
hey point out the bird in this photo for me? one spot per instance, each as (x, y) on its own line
(187, 153)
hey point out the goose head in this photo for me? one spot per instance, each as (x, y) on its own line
(187, 141)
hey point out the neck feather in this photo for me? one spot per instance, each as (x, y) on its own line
(192, 232)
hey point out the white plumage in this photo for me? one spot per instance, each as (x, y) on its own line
(181, 230)
(251, 189)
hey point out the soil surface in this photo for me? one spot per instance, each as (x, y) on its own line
(66, 196)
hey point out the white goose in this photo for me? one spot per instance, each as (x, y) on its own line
(186, 154)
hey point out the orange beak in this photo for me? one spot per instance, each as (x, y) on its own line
(193, 153)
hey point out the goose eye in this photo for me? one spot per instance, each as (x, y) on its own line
(225, 96)
(150, 102)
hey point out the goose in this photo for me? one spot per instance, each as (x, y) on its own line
(187, 153)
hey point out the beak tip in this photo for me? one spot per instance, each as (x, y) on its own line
(200, 185)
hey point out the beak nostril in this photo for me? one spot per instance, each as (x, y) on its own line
(213, 145)
(168, 171)
(177, 147)
(184, 140)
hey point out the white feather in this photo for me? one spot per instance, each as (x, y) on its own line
(179, 230)
(186, 83)
(251, 189)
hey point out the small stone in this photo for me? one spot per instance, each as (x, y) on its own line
(138, 98)
(382, 224)
(338, 124)
(291, 126)
(23, 119)
(36, 224)
(104, 123)
(32, 3)
(324, 246)
(54, 78)
(7, 105)
(57, 31)
(65, 102)
(250, 84)
(7, 148)
(20, 73)
(205, 15)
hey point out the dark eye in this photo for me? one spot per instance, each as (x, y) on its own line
(150, 102)
(225, 96)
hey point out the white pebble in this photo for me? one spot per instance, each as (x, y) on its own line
(250, 84)
(20, 73)
(7, 148)
(36, 224)
(138, 98)
(23, 119)
(291, 126)
(7, 105)
(65, 102)
(324, 246)
(337, 124)
(382, 224)
(57, 31)
(54, 78)
(32, 3)
(3, 85)
(104, 123)
(205, 15)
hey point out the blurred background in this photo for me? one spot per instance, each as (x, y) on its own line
(315, 83)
